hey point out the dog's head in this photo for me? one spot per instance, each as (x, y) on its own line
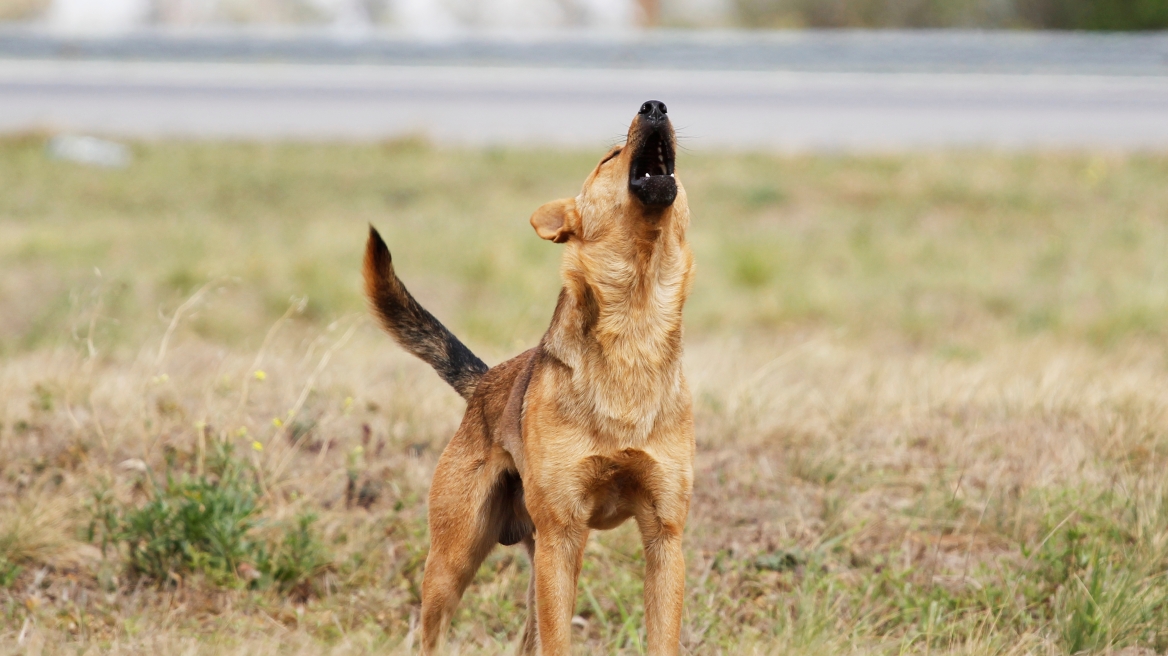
(633, 185)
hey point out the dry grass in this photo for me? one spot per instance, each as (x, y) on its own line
(930, 392)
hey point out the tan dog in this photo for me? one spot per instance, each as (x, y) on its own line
(589, 428)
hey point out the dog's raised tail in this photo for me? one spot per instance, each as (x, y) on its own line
(412, 326)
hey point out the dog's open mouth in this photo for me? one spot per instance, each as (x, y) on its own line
(651, 171)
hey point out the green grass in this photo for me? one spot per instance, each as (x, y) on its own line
(937, 248)
(204, 522)
(929, 392)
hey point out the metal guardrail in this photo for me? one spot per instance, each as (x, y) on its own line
(1066, 53)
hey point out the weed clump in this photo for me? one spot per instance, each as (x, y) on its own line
(1100, 583)
(8, 572)
(205, 523)
(298, 560)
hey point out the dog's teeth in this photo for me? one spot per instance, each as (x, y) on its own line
(671, 175)
(646, 175)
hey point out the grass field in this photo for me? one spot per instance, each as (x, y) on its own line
(931, 393)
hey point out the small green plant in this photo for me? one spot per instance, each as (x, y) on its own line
(299, 559)
(1097, 582)
(204, 523)
(190, 523)
(8, 572)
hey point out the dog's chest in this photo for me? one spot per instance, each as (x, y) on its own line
(621, 394)
(626, 367)
(627, 386)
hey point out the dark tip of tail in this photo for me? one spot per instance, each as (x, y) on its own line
(378, 261)
(376, 244)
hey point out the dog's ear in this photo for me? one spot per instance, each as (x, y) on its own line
(557, 220)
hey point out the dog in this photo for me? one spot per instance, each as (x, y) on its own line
(589, 428)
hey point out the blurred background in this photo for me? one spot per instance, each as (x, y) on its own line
(985, 73)
(433, 15)
(928, 337)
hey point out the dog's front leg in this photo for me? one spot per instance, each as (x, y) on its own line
(559, 554)
(664, 586)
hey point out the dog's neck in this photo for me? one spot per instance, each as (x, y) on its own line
(618, 322)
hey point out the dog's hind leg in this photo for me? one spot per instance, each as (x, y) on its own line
(529, 643)
(463, 529)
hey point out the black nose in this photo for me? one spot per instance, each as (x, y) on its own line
(654, 110)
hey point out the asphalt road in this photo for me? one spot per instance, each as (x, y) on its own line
(817, 105)
(765, 110)
(817, 51)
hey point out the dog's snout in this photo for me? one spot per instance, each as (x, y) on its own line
(651, 176)
(654, 110)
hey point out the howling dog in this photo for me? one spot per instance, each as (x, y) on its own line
(589, 428)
